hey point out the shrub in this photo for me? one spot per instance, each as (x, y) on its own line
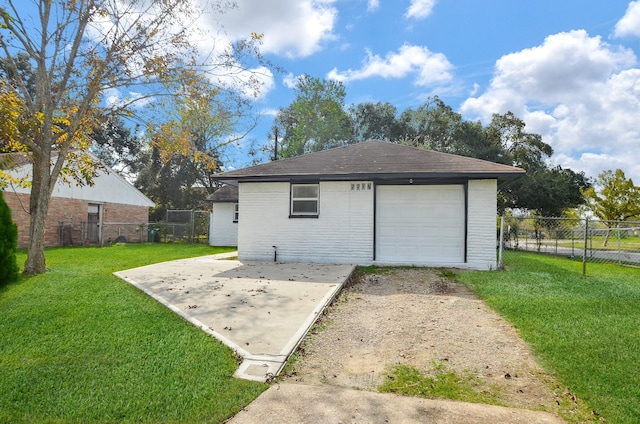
(8, 245)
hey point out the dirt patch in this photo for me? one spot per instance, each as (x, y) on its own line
(419, 318)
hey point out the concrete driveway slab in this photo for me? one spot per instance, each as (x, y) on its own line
(303, 404)
(261, 310)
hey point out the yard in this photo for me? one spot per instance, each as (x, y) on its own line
(79, 345)
(585, 330)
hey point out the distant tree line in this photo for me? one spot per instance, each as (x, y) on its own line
(317, 119)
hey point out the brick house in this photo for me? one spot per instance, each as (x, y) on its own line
(83, 215)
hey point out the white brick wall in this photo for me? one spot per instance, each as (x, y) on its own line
(223, 231)
(342, 233)
(481, 237)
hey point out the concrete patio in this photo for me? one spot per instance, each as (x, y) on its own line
(260, 310)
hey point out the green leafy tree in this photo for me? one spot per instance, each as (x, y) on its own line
(434, 126)
(8, 244)
(375, 121)
(115, 145)
(315, 120)
(523, 149)
(547, 192)
(544, 190)
(617, 199)
(171, 184)
(201, 122)
(78, 50)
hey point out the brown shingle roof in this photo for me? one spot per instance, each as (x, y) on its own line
(372, 160)
(225, 194)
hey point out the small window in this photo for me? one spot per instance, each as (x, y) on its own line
(236, 213)
(304, 199)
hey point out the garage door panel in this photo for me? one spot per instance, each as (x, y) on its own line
(420, 224)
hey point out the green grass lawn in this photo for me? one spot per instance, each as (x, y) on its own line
(585, 330)
(627, 244)
(79, 345)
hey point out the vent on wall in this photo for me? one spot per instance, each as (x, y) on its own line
(361, 186)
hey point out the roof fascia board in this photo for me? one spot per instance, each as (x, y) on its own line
(373, 177)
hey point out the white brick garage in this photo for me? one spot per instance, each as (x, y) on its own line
(416, 224)
(371, 203)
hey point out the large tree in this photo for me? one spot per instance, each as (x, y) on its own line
(375, 121)
(615, 199)
(544, 190)
(79, 51)
(199, 123)
(189, 144)
(434, 125)
(315, 120)
(116, 145)
(521, 148)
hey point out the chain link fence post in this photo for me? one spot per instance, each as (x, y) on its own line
(586, 239)
(501, 243)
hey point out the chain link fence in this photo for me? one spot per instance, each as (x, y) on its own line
(78, 233)
(584, 239)
(185, 226)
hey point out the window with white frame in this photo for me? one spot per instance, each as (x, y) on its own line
(305, 200)
(236, 212)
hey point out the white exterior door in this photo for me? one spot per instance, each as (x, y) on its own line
(420, 224)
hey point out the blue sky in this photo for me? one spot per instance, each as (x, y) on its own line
(568, 68)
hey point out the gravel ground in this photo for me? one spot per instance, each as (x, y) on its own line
(418, 317)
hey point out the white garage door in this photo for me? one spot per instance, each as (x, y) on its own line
(420, 224)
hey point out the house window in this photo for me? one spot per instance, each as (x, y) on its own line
(304, 200)
(236, 213)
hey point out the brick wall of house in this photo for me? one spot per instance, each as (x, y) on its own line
(126, 221)
(67, 220)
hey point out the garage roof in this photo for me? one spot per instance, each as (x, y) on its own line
(372, 160)
(225, 194)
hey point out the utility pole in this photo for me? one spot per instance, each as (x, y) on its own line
(275, 148)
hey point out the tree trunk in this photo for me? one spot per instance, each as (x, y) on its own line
(606, 237)
(38, 208)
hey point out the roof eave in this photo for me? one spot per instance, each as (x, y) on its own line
(378, 177)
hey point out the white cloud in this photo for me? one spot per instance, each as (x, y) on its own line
(593, 164)
(429, 68)
(291, 28)
(580, 93)
(629, 25)
(290, 81)
(373, 5)
(269, 112)
(114, 97)
(420, 9)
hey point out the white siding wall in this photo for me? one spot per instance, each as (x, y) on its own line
(343, 232)
(481, 237)
(223, 231)
(108, 187)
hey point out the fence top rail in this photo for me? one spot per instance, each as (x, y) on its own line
(541, 218)
(188, 210)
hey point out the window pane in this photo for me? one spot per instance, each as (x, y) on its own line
(305, 206)
(310, 190)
